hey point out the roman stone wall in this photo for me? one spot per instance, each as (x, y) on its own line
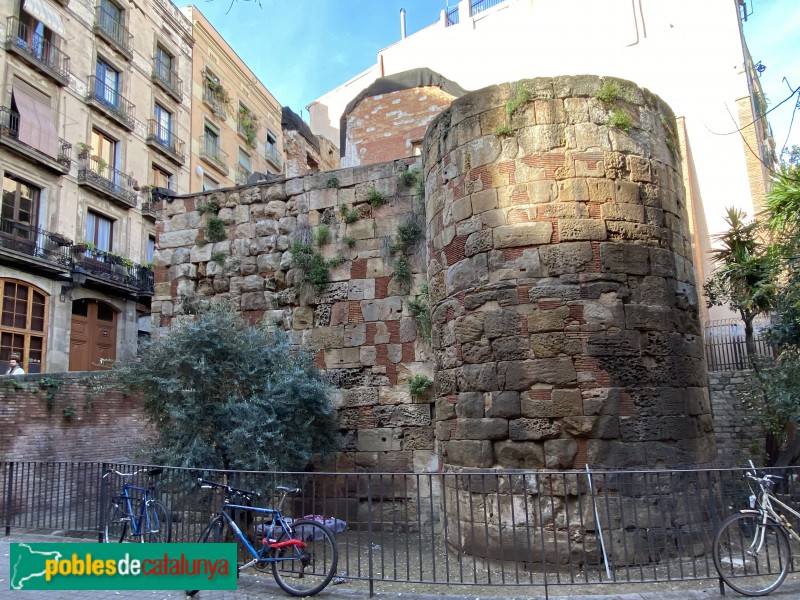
(564, 308)
(739, 434)
(565, 312)
(359, 324)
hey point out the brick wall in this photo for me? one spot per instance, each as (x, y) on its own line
(739, 435)
(106, 426)
(383, 127)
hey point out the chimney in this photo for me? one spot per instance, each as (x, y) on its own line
(402, 23)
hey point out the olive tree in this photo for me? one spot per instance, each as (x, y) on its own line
(224, 394)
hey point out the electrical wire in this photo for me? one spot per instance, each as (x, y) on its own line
(739, 129)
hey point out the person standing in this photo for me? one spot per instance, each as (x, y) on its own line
(13, 366)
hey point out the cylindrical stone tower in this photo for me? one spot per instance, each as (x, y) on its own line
(564, 303)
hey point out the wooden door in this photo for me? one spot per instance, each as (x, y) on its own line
(93, 337)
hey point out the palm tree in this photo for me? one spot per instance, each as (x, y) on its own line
(744, 279)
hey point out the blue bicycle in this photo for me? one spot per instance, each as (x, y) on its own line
(137, 513)
(302, 552)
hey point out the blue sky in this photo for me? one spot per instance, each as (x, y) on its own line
(772, 32)
(301, 49)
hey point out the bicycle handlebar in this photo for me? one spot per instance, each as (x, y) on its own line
(768, 478)
(229, 490)
(150, 472)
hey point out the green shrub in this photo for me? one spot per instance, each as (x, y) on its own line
(224, 394)
(410, 177)
(408, 234)
(619, 119)
(420, 310)
(609, 93)
(376, 198)
(418, 385)
(215, 229)
(322, 235)
(209, 207)
(520, 96)
(69, 412)
(336, 261)
(349, 215)
(218, 257)
(333, 182)
(310, 262)
(349, 241)
(504, 130)
(402, 273)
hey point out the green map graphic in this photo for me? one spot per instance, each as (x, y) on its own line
(27, 564)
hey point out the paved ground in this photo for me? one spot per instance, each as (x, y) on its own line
(252, 588)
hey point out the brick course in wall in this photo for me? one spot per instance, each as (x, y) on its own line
(106, 426)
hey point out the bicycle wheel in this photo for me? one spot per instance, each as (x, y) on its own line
(751, 557)
(212, 534)
(157, 524)
(116, 525)
(306, 571)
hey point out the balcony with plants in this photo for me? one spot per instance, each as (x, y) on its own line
(110, 102)
(10, 122)
(216, 96)
(113, 30)
(38, 51)
(167, 79)
(34, 248)
(165, 141)
(96, 174)
(247, 126)
(211, 153)
(112, 270)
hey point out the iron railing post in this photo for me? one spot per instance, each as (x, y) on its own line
(9, 497)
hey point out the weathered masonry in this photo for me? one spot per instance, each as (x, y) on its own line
(562, 295)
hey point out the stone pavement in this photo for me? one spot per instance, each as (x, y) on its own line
(257, 588)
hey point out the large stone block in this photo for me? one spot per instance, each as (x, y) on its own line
(470, 453)
(523, 234)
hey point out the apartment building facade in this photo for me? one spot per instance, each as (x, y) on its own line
(692, 54)
(94, 110)
(236, 121)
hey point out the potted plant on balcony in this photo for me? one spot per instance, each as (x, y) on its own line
(248, 125)
(61, 239)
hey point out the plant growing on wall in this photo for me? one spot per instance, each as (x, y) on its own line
(333, 182)
(349, 241)
(349, 215)
(215, 229)
(311, 263)
(218, 257)
(420, 310)
(609, 93)
(619, 119)
(375, 198)
(209, 207)
(418, 385)
(402, 273)
(322, 234)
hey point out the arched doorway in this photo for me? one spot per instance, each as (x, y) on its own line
(93, 337)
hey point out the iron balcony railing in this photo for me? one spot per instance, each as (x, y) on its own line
(10, 121)
(508, 530)
(165, 140)
(109, 99)
(95, 172)
(216, 100)
(242, 174)
(114, 268)
(34, 241)
(210, 151)
(113, 30)
(167, 78)
(452, 17)
(274, 157)
(43, 53)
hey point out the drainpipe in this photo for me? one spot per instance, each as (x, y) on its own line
(402, 23)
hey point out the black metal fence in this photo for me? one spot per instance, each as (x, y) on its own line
(476, 528)
(725, 345)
